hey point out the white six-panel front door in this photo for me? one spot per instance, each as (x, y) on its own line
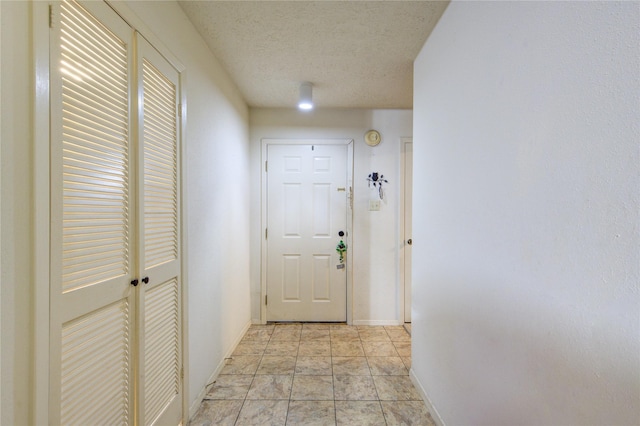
(307, 197)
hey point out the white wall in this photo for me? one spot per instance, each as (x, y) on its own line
(526, 218)
(15, 246)
(216, 194)
(375, 234)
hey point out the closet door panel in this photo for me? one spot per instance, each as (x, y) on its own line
(91, 241)
(161, 327)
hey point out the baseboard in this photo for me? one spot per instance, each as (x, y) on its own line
(427, 401)
(377, 322)
(203, 392)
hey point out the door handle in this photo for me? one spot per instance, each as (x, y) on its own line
(410, 241)
(145, 280)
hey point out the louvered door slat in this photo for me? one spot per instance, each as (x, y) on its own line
(85, 43)
(104, 332)
(160, 159)
(161, 348)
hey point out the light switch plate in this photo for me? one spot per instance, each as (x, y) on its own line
(374, 205)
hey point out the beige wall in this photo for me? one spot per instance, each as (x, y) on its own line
(526, 141)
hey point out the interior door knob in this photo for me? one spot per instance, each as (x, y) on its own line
(410, 241)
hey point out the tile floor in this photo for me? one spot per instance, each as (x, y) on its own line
(316, 374)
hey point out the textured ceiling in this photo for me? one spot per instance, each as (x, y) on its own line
(357, 54)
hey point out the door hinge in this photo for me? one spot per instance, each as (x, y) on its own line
(266, 233)
(182, 372)
(265, 299)
(266, 167)
(50, 16)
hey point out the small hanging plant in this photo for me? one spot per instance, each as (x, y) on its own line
(341, 248)
(377, 180)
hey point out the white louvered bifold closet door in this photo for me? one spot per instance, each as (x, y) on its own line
(92, 302)
(115, 347)
(160, 328)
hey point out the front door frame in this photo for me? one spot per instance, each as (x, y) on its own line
(263, 216)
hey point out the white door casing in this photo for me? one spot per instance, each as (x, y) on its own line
(407, 207)
(307, 200)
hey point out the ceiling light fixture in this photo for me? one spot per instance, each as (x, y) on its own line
(305, 102)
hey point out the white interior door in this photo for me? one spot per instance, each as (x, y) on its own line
(160, 325)
(307, 198)
(408, 208)
(92, 244)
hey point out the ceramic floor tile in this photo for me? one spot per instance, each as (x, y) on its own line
(407, 413)
(344, 333)
(314, 348)
(268, 327)
(276, 347)
(359, 413)
(399, 335)
(233, 386)
(387, 366)
(286, 334)
(350, 366)
(341, 326)
(312, 388)
(373, 334)
(263, 412)
(356, 388)
(277, 365)
(314, 334)
(250, 348)
(257, 335)
(314, 366)
(217, 413)
(403, 348)
(379, 349)
(346, 349)
(407, 362)
(312, 326)
(270, 387)
(242, 364)
(311, 413)
(395, 388)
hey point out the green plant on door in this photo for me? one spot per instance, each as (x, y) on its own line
(341, 248)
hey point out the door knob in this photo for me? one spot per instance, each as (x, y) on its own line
(134, 283)
(410, 241)
(145, 280)
(341, 234)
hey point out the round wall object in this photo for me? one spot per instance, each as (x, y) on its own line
(372, 138)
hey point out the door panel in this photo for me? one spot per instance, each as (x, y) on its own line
(91, 241)
(158, 199)
(306, 208)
